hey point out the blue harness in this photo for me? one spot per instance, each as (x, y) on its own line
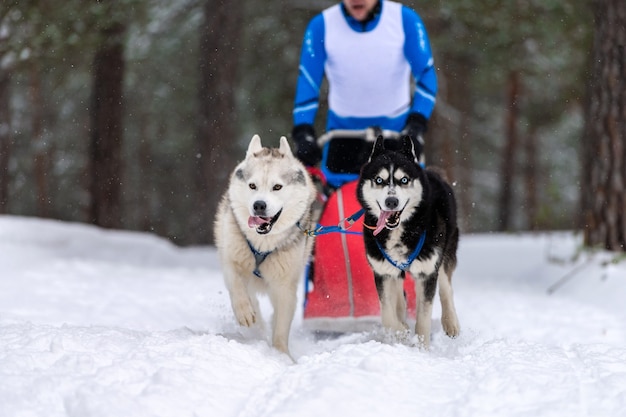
(340, 228)
(403, 266)
(259, 257)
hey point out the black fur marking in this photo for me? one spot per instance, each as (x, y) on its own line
(296, 177)
(430, 286)
(378, 279)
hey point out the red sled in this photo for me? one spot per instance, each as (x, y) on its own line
(340, 292)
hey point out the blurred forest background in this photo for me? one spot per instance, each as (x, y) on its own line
(197, 78)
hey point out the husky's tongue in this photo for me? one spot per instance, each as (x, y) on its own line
(254, 221)
(382, 221)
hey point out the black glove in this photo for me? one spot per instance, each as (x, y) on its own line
(307, 150)
(416, 126)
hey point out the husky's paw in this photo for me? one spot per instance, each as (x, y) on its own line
(451, 326)
(393, 323)
(422, 341)
(281, 346)
(401, 336)
(244, 313)
(394, 336)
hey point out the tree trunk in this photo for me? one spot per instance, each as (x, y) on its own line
(5, 140)
(217, 127)
(41, 156)
(531, 169)
(106, 130)
(449, 138)
(145, 175)
(605, 130)
(461, 99)
(510, 147)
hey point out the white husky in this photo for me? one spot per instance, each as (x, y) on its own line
(259, 235)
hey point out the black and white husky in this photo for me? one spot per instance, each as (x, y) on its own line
(259, 238)
(410, 226)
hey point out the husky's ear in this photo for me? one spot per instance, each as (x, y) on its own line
(254, 146)
(284, 147)
(408, 149)
(379, 147)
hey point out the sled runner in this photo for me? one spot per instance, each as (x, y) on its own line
(340, 294)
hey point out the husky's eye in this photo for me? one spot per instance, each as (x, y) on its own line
(404, 180)
(379, 180)
(277, 187)
(252, 186)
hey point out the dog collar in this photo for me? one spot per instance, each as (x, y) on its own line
(403, 266)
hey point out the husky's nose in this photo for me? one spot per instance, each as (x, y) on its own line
(259, 206)
(391, 203)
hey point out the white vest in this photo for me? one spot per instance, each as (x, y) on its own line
(367, 72)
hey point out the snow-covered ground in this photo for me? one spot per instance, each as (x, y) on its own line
(110, 323)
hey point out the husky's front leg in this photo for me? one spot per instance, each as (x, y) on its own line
(449, 319)
(392, 302)
(283, 296)
(244, 307)
(425, 287)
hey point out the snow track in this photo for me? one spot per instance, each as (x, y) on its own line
(100, 323)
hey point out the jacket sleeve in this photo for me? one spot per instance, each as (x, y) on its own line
(418, 53)
(310, 73)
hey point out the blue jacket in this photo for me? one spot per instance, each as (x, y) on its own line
(368, 67)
